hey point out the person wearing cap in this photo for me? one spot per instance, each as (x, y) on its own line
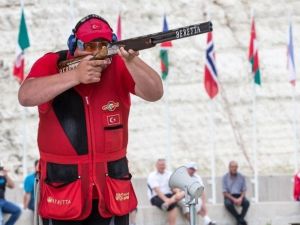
(160, 193)
(234, 191)
(83, 126)
(201, 206)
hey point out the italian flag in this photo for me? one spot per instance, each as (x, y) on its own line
(23, 43)
(163, 54)
(253, 54)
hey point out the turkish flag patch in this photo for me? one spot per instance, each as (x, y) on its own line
(113, 119)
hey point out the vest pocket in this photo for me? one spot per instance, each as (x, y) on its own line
(119, 194)
(61, 195)
(113, 138)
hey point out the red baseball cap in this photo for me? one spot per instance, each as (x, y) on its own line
(93, 29)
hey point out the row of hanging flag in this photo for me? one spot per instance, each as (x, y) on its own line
(210, 72)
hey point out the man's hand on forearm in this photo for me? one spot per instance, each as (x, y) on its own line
(161, 195)
(230, 197)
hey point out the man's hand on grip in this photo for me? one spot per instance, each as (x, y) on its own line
(89, 71)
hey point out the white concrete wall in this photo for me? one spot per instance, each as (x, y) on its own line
(275, 213)
(50, 22)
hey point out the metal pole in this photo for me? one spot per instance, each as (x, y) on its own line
(296, 146)
(24, 143)
(212, 147)
(192, 209)
(168, 154)
(72, 14)
(254, 145)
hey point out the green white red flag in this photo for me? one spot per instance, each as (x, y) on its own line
(23, 43)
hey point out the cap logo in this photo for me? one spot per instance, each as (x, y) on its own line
(96, 27)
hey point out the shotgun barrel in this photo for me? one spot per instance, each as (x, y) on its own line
(142, 42)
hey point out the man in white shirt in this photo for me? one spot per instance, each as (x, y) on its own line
(201, 206)
(159, 192)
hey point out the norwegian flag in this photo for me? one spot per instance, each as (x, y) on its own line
(210, 75)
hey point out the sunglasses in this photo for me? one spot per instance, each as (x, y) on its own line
(91, 46)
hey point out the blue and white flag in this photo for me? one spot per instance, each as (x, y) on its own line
(291, 57)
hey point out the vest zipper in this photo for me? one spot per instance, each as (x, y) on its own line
(87, 100)
(91, 152)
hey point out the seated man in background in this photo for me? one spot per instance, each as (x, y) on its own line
(159, 191)
(201, 206)
(234, 191)
(6, 206)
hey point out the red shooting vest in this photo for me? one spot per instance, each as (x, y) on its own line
(82, 138)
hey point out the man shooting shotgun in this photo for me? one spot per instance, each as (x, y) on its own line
(83, 122)
(141, 43)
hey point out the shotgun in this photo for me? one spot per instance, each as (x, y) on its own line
(141, 43)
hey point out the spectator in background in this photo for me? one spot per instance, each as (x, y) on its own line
(234, 191)
(6, 206)
(29, 188)
(159, 191)
(201, 206)
(297, 186)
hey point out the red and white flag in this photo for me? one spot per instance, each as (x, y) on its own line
(119, 28)
(113, 119)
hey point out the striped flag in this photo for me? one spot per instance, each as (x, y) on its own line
(164, 52)
(253, 54)
(23, 43)
(119, 28)
(211, 74)
(291, 58)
